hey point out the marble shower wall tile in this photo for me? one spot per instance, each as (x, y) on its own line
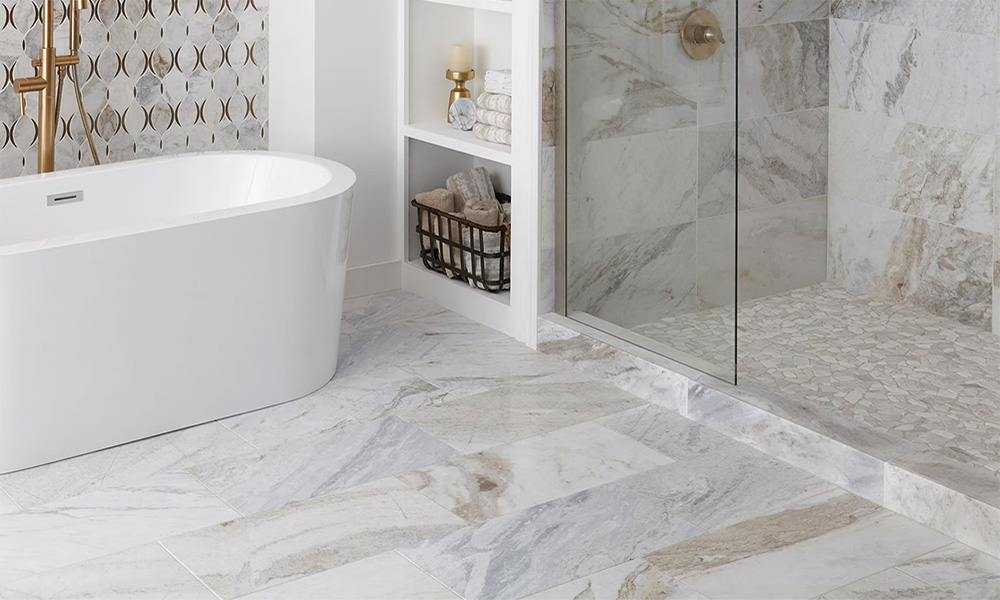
(635, 278)
(944, 269)
(274, 547)
(590, 21)
(783, 68)
(780, 248)
(631, 184)
(962, 16)
(934, 77)
(934, 173)
(768, 12)
(157, 77)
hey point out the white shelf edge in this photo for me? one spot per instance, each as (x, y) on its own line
(459, 141)
(503, 6)
(478, 305)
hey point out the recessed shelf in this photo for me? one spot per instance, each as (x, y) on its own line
(504, 6)
(440, 133)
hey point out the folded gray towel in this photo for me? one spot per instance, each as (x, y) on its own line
(471, 187)
(487, 215)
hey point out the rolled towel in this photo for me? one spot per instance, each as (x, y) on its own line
(439, 199)
(494, 118)
(471, 187)
(492, 134)
(496, 102)
(486, 215)
(499, 82)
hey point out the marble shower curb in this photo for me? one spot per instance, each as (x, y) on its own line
(927, 487)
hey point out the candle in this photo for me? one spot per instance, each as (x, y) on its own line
(461, 58)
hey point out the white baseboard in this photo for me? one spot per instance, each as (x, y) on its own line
(373, 279)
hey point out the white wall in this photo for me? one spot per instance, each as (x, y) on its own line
(333, 94)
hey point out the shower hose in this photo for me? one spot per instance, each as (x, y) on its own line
(75, 77)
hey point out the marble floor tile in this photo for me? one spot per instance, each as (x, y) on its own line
(462, 334)
(516, 476)
(274, 547)
(450, 369)
(122, 465)
(6, 504)
(319, 465)
(72, 530)
(143, 572)
(345, 401)
(533, 550)
(889, 585)
(634, 580)
(515, 412)
(374, 349)
(666, 431)
(382, 310)
(386, 576)
(959, 569)
(828, 540)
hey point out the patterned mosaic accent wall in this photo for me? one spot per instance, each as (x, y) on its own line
(159, 77)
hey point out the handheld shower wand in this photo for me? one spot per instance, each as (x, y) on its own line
(74, 50)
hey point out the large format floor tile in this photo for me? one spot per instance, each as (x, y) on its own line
(636, 579)
(515, 476)
(253, 553)
(321, 464)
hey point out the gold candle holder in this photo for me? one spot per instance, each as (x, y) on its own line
(459, 91)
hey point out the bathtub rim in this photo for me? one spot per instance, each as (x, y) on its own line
(342, 181)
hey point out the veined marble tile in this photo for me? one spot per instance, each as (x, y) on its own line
(631, 373)
(519, 475)
(667, 432)
(783, 158)
(546, 545)
(630, 87)
(959, 569)
(382, 310)
(828, 540)
(142, 572)
(635, 278)
(841, 464)
(634, 580)
(123, 465)
(944, 269)
(630, 184)
(345, 401)
(937, 78)
(930, 172)
(888, 585)
(975, 523)
(386, 576)
(72, 530)
(781, 248)
(318, 465)
(452, 370)
(509, 413)
(274, 547)
(590, 21)
(767, 12)
(373, 349)
(6, 504)
(717, 169)
(963, 16)
(461, 333)
(783, 68)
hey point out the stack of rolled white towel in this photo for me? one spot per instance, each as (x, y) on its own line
(495, 108)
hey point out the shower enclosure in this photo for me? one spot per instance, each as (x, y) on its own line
(810, 209)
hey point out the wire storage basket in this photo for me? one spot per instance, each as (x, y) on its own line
(461, 249)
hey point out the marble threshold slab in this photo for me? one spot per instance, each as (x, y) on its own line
(929, 488)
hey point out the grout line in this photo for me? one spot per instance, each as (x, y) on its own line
(11, 498)
(193, 574)
(443, 584)
(230, 429)
(211, 491)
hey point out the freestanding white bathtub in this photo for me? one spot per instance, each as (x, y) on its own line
(178, 291)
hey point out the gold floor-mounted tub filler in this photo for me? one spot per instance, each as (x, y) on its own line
(50, 69)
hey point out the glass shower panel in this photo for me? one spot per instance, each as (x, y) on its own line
(650, 175)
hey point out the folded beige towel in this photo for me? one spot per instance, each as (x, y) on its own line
(439, 199)
(493, 134)
(494, 118)
(495, 102)
(471, 187)
(487, 215)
